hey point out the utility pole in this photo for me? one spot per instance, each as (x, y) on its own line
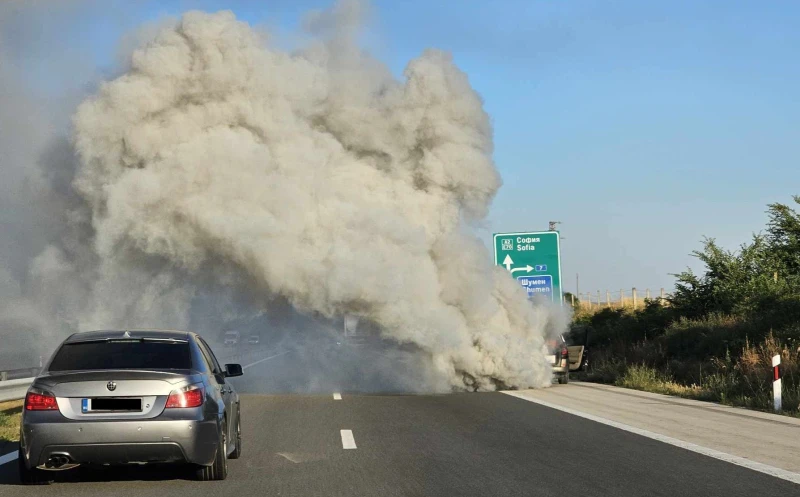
(578, 285)
(552, 227)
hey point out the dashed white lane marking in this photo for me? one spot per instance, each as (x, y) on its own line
(8, 458)
(348, 442)
(722, 456)
(337, 396)
(266, 359)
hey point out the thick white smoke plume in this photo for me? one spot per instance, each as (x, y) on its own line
(315, 177)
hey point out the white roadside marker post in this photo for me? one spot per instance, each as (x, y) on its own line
(776, 382)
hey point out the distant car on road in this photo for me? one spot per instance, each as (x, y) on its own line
(131, 397)
(253, 339)
(232, 337)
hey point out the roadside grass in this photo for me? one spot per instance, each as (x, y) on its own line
(639, 377)
(10, 413)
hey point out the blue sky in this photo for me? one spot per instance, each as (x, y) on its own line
(642, 126)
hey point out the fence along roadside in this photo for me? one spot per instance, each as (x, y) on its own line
(618, 298)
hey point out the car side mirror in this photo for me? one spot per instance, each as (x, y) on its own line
(232, 370)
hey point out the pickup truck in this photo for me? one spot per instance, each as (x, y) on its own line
(568, 354)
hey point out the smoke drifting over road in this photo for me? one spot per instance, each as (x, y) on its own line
(221, 166)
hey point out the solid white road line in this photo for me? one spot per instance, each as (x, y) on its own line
(337, 396)
(348, 442)
(8, 458)
(722, 456)
(266, 359)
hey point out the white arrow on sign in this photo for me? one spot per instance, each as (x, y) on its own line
(507, 262)
(527, 269)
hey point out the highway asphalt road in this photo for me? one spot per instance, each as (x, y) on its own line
(488, 444)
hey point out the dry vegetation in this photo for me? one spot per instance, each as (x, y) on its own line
(734, 377)
(9, 420)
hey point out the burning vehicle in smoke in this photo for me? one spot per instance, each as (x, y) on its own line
(568, 353)
(558, 357)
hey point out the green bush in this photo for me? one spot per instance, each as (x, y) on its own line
(642, 377)
(761, 277)
(610, 326)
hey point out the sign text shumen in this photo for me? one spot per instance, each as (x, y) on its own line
(534, 259)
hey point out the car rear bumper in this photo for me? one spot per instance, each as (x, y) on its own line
(121, 442)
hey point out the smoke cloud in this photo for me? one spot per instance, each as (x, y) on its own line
(220, 173)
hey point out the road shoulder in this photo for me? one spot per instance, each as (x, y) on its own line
(760, 437)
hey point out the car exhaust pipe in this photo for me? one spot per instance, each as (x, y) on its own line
(57, 461)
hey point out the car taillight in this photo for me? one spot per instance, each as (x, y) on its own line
(192, 396)
(564, 352)
(40, 401)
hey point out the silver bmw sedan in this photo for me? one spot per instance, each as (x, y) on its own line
(131, 397)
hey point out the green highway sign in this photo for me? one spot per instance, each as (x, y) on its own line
(534, 259)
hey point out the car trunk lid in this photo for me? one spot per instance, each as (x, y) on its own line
(114, 394)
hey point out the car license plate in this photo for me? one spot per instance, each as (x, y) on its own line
(552, 359)
(106, 404)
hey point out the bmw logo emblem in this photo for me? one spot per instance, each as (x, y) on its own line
(111, 386)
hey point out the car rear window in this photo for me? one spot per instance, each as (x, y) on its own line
(133, 354)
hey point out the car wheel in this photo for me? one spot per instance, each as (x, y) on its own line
(31, 476)
(237, 452)
(563, 379)
(219, 468)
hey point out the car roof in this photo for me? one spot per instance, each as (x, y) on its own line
(121, 334)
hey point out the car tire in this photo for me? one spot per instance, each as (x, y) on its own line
(219, 468)
(31, 476)
(237, 451)
(563, 379)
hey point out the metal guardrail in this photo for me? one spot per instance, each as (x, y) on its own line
(14, 383)
(14, 389)
(14, 374)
